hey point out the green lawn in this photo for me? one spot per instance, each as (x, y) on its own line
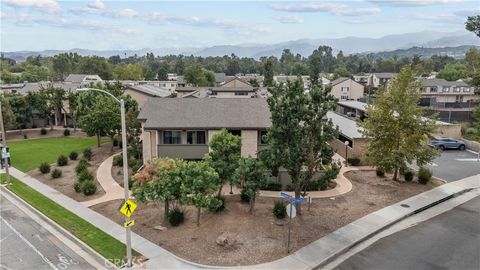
(28, 154)
(106, 245)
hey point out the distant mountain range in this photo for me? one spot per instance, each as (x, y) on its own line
(424, 43)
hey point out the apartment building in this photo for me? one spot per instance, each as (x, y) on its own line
(346, 89)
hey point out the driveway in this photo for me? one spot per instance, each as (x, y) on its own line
(454, 165)
(448, 241)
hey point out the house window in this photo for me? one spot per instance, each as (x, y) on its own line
(196, 137)
(446, 89)
(466, 89)
(433, 89)
(213, 93)
(456, 89)
(423, 89)
(241, 93)
(172, 137)
(343, 97)
(345, 89)
(262, 137)
(235, 132)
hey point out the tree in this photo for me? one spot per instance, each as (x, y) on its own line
(473, 24)
(128, 72)
(62, 65)
(472, 60)
(8, 77)
(7, 113)
(453, 72)
(22, 110)
(199, 183)
(196, 75)
(341, 72)
(300, 134)
(299, 69)
(34, 73)
(396, 126)
(159, 181)
(254, 82)
(224, 156)
(251, 175)
(286, 62)
(95, 65)
(268, 72)
(162, 72)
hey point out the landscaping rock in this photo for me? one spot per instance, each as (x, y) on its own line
(221, 240)
(280, 222)
(160, 228)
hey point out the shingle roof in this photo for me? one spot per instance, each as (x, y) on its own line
(206, 113)
(354, 104)
(339, 80)
(385, 75)
(78, 78)
(442, 82)
(150, 90)
(217, 89)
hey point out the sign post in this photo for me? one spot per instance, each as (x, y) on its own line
(5, 155)
(291, 212)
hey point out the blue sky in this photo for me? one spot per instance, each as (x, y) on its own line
(107, 25)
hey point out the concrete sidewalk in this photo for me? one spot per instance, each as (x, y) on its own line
(315, 254)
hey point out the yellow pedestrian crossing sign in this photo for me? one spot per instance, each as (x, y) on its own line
(128, 208)
(129, 223)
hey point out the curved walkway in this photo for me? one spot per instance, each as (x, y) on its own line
(113, 190)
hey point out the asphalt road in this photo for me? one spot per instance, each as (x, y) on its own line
(448, 241)
(453, 165)
(24, 244)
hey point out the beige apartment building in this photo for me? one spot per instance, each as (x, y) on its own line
(346, 89)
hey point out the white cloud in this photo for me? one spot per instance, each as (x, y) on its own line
(50, 6)
(289, 19)
(467, 12)
(116, 13)
(97, 4)
(125, 13)
(159, 18)
(438, 18)
(407, 3)
(332, 8)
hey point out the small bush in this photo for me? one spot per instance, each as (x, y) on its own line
(118, 160)
(244, 196)
(56, 173)
(43, 131)
(62, 160)
(280, 209)
(25, 136)
(217, 207)
(176, 216)
(354, 161)
(424, 175)
(73, 155)
(81, 166)
(115, 141)
(84, 176)
(273, 186)
(87, 154)
(44, 167)
(380, 173)
(77, 186)
(66, 132)
(408, 175)
(89, 188)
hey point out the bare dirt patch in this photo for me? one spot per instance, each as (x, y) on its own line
(254, 238)
(65, 183)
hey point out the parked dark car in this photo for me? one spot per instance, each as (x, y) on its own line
(447, 143)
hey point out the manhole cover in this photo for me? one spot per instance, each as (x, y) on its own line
(405, 205)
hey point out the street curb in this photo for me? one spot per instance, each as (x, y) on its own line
(386, 226)
(95, 255)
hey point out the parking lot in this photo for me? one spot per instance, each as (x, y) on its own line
(453, 165)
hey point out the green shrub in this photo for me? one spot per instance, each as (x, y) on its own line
(81, 166)
(280, 209)
(87, 154)
(408, 175)
(56, 173)
(424, 175)
(115, 141)
(354, 161)
(62, 160)
(89, 188)
(402, 170)
(43, 131)
(84, 176)
(66, 132)
(77, 186)
(217, 207)
(118, 160)
(73, 155)
(380, 172)
(244, 196)
(273, 186)
(136, 165)
(44, 167)
(176, 216)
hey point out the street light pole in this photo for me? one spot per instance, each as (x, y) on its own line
(125, 166)
(4, 140)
